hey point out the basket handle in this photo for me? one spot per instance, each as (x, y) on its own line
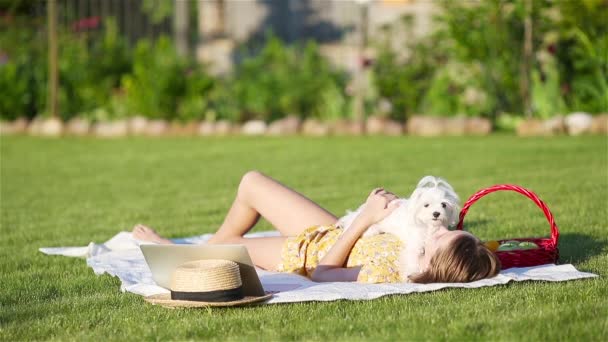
(500, 187)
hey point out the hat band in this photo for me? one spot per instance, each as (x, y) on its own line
(210, 296)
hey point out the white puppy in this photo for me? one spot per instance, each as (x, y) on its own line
(432, 205)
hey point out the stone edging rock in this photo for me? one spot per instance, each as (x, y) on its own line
(573, 124)
(577, 123)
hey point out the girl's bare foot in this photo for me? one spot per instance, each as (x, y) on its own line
(141, 232)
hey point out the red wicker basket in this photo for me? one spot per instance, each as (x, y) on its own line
(547, 251)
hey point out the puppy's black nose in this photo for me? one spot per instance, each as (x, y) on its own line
(436, 214)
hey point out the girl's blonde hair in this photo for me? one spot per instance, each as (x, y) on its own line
(466, 259)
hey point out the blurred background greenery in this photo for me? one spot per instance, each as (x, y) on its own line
(470, 64)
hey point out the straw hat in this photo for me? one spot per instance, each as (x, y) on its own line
(204, 283)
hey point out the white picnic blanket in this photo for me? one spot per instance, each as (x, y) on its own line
(121, 257)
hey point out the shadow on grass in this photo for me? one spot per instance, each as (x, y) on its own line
(472, 224)
(573, 247)
(577, 247)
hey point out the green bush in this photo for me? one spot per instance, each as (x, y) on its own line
(90, 67)
(582, 52)
(199, 92)
(471, 64)
(99, 77)
(164, 85)
(22, 69)
(547, 100)
(483, 40)
(458, 89)
(282, 80)
(108, 58)
(157, 80)
(404, 81)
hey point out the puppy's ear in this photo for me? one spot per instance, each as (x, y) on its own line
(442, 183)
(427, 182)
(453, 197)
(434, 182)
(455, 208)
(455, 215)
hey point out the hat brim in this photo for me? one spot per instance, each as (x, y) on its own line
(166, 301)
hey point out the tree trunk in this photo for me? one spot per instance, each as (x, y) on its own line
(360, 79)
(526, 65)
(53, 82)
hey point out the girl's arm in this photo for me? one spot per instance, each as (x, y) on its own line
(331, 267)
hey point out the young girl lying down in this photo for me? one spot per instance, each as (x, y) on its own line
(312, 245)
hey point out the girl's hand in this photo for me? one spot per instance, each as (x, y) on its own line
(379, 204)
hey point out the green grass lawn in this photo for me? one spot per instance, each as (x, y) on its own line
(70, 191)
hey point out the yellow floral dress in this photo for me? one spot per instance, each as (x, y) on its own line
(376, 255)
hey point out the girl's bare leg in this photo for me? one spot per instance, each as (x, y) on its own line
(265, 252)
(287, 210)
(261, 196)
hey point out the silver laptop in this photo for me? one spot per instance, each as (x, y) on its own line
(164, 259)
